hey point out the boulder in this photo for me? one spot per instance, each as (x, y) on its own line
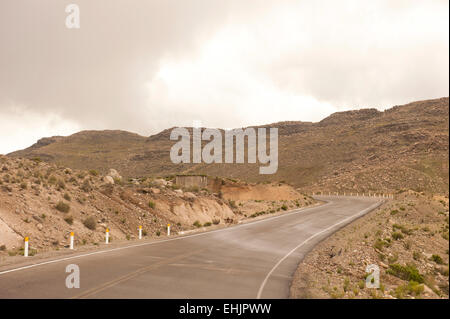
(108, 179)
(155, 190)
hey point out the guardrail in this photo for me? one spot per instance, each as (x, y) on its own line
(377, 195)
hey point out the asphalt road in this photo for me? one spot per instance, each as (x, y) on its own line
(252, 260)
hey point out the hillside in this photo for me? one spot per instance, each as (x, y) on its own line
(404, 147)
(46, 202)
(406, 237)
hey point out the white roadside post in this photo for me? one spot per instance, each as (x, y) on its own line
(71, 240)
(168, 229)
(25, 251)
(140, 232)
(107, 236)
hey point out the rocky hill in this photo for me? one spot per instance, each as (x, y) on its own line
(404, 147)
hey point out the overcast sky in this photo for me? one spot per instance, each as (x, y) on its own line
(144, 66)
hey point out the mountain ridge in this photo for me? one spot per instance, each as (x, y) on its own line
(405, 146)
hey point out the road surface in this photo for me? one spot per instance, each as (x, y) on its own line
(252, 260)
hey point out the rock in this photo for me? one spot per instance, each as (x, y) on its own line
(39, 226)
(178, 191)
(114, 174)
(190, 195)
(108, 179)
(155, 190)
(37, 218)
(161, 182)
(382, 264)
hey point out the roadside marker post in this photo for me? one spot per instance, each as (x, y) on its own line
(107, 236)
(25, 251)
(140, 232)
(168, 229)
(71, 240)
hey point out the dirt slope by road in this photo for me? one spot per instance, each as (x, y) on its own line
(407, 238)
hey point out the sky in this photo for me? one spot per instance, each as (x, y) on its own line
(144, 66)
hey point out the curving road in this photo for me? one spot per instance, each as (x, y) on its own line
(252, 260)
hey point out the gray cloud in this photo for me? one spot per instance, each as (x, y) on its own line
(147, 65)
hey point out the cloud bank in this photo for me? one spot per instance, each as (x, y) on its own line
(146, 66)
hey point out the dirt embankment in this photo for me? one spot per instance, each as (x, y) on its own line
(407, 238)
(46, 202)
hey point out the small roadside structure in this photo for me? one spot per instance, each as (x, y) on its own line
(200, 181)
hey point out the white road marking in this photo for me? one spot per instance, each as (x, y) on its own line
(263, 284)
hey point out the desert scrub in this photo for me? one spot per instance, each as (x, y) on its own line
(86, 186)
(192, 189)
(197, 224)
(284, 207)
(93, 172)
(151, 204)
(216, 221)
(62, 207)
(412, 288)
(437, 259)
(397, 236)
(61, 185)
(402, 228)
(207, 224)
(408, 272)
(379, 244)
(90, 223)
(69, 220)
(417, 255)
(394, 212)
(232, 203)
(67, 197)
